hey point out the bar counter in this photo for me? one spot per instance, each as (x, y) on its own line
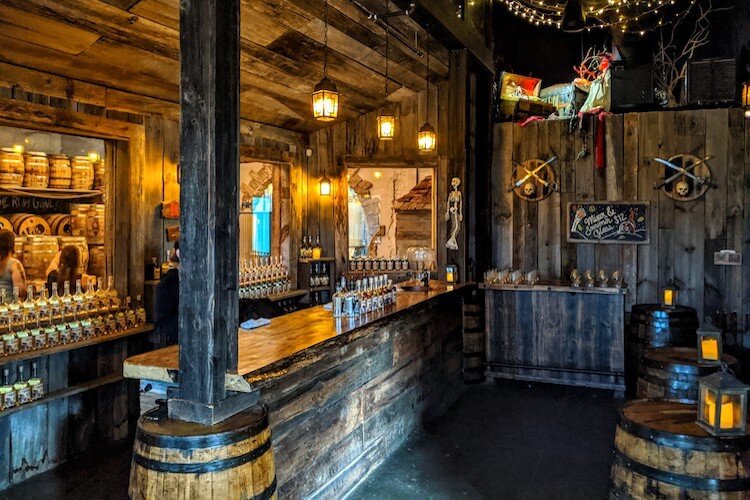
(342, 394)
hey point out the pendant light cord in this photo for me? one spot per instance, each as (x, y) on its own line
(325, 39)
(387, 31)
(427, 80)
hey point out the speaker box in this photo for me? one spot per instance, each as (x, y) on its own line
(632, 86)
(711, 81)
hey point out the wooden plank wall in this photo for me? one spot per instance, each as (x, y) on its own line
(684, 235)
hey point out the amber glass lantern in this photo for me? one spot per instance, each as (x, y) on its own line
(427, 138)
(325, 186)
(722, 404)
(325, 101)
(669, 297)
(451, 273)
(386, 127)
(709, 345)
(746, 98)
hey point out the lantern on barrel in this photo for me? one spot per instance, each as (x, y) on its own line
(669, 297)
(709, 345)
(722, 405)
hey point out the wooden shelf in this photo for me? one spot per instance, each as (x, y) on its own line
(66, 393)
(556, 288)
(38, 353)
(287, 295)
(42, 192)
(321, 289)
(314, 261)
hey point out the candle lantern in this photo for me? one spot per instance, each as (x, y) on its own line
(709, 345)
(451, 273)
(746, 98)
(669, 297)
(722, 405)
(325, 101)
(325, 187)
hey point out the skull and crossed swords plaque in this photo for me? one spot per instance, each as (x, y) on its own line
(533, 180)
(686, 177)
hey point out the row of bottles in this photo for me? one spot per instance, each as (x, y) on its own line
(310, 250)
(23, 390)
(263, 276)
(48, 321)
(379, 264)
(319, 275)
(154, 270)
(363, 296)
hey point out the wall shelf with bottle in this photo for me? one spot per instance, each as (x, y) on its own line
(318, 276)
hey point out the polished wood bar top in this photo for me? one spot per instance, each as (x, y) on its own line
(265, 351)
(556, 286)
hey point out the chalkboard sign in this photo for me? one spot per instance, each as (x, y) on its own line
(608, 222)
(21, 204)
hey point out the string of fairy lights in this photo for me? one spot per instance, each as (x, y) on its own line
(636, 17)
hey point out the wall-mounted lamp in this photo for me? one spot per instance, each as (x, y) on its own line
(746, 99)
(325, 186)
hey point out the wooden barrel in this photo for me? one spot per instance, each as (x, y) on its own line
(97, 261)
(38, 252)
(11, 168)
(82, 173)
(660, 452)
(59, 224)
(100, 172)
(59, 172)
(18, 247)
(654, 325)
(5, 224)
(95, 224)
(78, 218)
(29, 225)
(36, 172)
(474, 342)
(672, 373)
(232, 459)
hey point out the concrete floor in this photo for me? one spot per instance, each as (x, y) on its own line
(504, 440)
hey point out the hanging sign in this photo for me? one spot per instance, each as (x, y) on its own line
(22, 204)
(608, 222)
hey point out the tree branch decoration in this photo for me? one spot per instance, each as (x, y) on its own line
(672, 54)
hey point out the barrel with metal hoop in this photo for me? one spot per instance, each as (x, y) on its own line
(672, 373)
(232, 459)
(660, 452)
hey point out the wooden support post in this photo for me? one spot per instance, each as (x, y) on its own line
(209, 160)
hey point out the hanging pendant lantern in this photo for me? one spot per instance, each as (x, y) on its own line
(325, 96)
(427, 136)
(325, 186)
(325, 101)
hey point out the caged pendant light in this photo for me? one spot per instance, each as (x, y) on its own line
(386, 120)
(325, 97)
(427, 137)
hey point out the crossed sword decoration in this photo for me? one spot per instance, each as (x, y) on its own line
(686, 172)
(535, 174)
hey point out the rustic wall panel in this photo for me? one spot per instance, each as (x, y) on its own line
(684, 235)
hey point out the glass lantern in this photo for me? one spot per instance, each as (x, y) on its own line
(451, 273)
(709, 345)
(427, 139)
(669, 297)
(386, 127)
(325, 101)
(722, 404)
(746, 99)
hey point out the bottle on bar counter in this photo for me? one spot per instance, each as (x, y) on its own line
(8, 394)
(55, 304)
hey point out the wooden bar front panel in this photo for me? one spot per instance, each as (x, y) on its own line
(556, 336)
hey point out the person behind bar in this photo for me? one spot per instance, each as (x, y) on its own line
(68, 269)
(12, 273)
(167, 301)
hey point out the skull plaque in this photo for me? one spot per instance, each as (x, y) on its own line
(686, 177)
(534, 180)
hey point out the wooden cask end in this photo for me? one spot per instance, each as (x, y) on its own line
(473, 343)
(672, 373)
(660, 452)
(230, 460)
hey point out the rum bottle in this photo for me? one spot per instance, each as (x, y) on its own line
(35, 384)
(22, 388)
(114, 299)
(55, 304)
(8, 395)
(15, 309)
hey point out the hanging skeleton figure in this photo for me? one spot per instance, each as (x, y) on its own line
(455, 213)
